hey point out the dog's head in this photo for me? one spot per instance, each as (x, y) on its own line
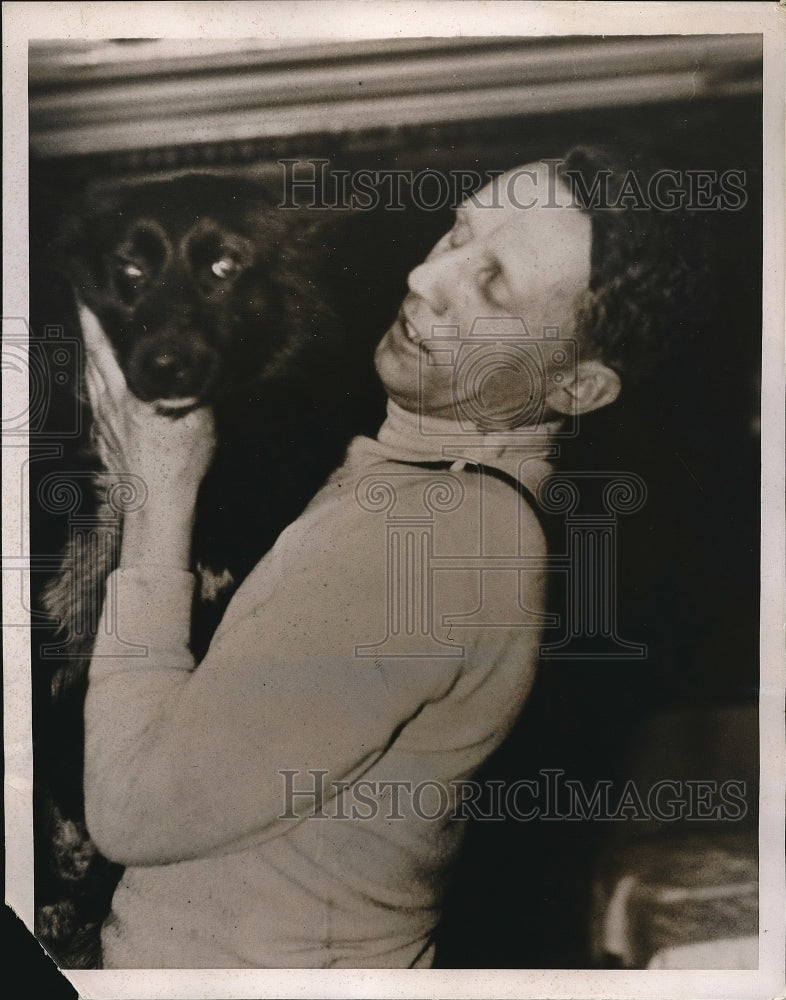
(194, 281)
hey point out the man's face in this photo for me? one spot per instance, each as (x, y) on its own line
(499, 261)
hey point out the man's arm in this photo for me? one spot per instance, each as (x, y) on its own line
(182, 763)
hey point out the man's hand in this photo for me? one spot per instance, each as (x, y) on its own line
(170, 455)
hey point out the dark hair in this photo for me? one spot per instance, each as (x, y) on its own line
(647, 277)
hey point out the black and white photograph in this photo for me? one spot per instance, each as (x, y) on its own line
(393, 499)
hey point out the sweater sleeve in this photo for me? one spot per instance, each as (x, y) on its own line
(181, 763)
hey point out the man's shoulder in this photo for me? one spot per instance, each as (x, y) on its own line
(457, 499)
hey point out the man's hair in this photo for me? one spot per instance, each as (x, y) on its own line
(640, 312)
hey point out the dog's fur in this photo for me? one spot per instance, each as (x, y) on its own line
(209, 295)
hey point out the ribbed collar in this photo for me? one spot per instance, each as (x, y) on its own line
(411, 437)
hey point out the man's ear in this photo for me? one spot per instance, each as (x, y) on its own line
(594, 385)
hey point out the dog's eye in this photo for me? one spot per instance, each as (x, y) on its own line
(131, 270)
(224, 268)
(130, 279)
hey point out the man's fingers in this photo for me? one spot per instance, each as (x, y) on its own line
(96, 389)
(100, 354)
(95, 386)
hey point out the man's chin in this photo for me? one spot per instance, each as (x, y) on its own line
(393, 367)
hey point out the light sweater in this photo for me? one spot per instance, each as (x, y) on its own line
(225, 868)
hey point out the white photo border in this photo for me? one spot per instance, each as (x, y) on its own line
(355, 19)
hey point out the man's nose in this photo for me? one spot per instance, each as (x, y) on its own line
(433, 280)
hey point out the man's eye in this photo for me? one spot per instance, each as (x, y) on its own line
(225, 267)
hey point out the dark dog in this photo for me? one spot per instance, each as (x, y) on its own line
(209, 295)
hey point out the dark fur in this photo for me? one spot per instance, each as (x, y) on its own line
(278, 340)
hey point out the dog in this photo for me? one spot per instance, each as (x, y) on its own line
(209, 296)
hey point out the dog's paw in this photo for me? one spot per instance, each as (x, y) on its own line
(56, 923)
(213, 585)
(72, 850)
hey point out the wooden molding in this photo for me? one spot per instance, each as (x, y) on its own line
(93, 98)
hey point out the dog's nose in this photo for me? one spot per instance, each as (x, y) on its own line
(169, 365)
(164, 369)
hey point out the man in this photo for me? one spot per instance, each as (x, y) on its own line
(292, 802)
(504, 258)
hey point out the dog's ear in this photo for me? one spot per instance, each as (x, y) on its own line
(83, 239)
(58, 227)
(53, 208)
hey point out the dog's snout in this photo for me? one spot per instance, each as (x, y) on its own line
(171, 368)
